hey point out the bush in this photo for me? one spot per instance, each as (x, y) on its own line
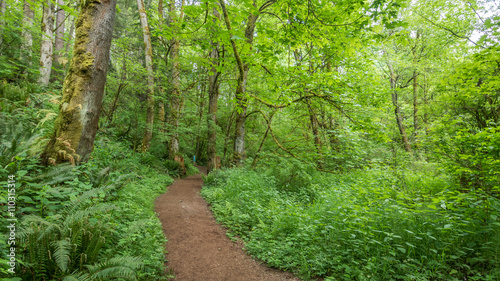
(365, 225)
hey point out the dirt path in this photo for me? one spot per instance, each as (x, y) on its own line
(198, 248)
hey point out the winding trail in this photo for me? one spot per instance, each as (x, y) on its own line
(198, 248)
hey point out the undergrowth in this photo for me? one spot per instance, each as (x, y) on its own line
(374, 224)
(95, 221)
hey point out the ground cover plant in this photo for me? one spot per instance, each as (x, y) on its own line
(370, 224)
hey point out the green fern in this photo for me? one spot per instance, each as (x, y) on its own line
(119, 267)
(69, 245)
(56, 174)
(62, 253)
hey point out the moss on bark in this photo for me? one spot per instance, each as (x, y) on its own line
(69, 125)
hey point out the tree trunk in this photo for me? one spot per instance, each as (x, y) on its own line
(66, 49)
(415, 92)
(47, 43)
(175, 94)
(175, 100)
(426, 104)
(315, 129)
(148, 134)
(71, 30)
(415, 108)
(213, 97)
(334, 140)
(243, 68)
(200, 140)
(59, 39)
(397, 110)
(3, 9)
(27, 46)
(268, 121)
(77, 122)
(59, 42)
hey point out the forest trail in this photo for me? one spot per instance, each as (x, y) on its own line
(198, 248)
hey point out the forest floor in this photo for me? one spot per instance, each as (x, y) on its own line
(198, 248)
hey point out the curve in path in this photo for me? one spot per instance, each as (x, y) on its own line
(198, 248)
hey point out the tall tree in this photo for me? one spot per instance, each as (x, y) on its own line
(3, 9)
(47, 43)
(175, 93)
(59, 38)
(148, 53)
(77, 122)
(397, 108)
(213, 97)
(243, 68)
(28, 18)
(415, 92)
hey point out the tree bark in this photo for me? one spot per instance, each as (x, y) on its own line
(397, 110)
(27, 46)
(268, 121)
(200, 140)
(213, 97)
(47, 43)
(315, 129)
(415, 108)
(148, 53)
(175, 94)
(3, 9)
(77, 122)
(415, 93)
(71, 30)
(59, 39)
(334, 140)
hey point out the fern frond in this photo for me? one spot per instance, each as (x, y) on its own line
(61, 253)
(77, 276)
(57, 174)
(119, 267)
(49, 115)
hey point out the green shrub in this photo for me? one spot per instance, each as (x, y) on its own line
(375, 224)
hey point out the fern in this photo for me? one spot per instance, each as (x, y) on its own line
(119, 267)
(67, 242)
(56, 174)
(61, 253)
(77, 276)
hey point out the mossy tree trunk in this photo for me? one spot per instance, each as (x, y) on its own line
(175, 93)
(46, 51)
(213, 97)
(77, 122)
(148, 53)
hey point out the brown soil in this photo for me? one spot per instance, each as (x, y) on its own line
(198, 248)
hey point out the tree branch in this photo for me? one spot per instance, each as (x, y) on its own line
(449, 30)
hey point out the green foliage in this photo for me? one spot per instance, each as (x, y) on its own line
(73, 217)
(367, 225)
(72, 242)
